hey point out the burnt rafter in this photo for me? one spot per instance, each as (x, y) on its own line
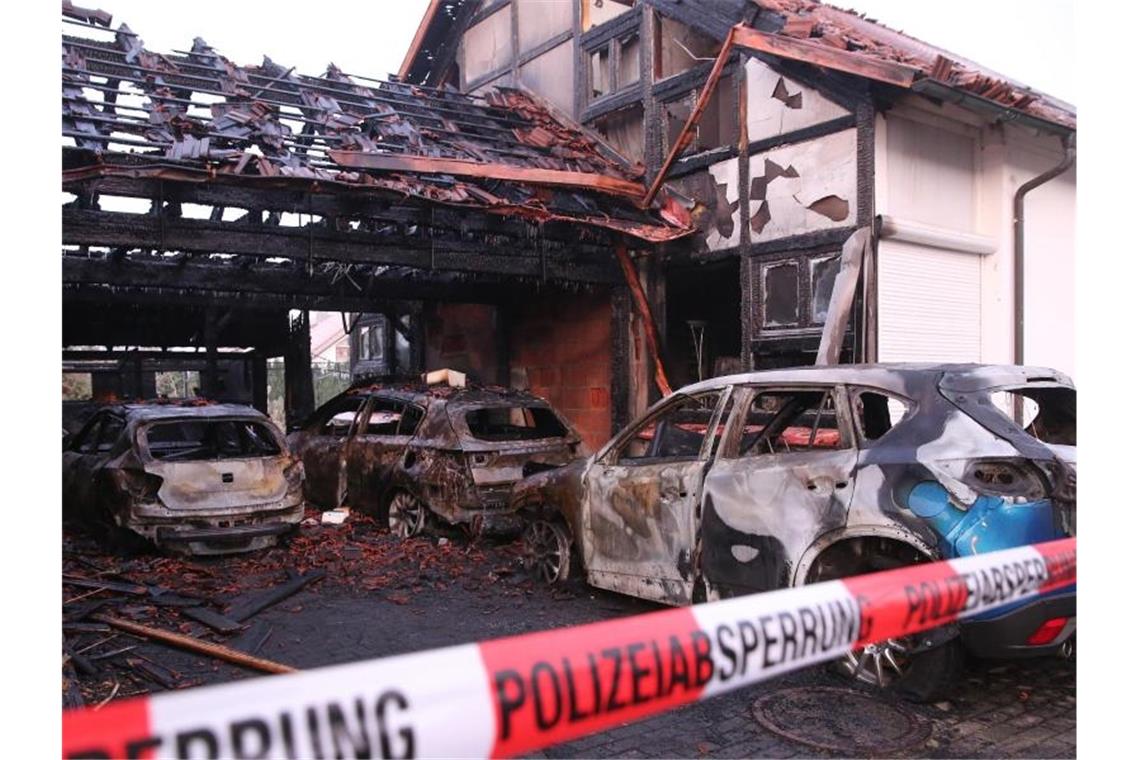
(317, 242)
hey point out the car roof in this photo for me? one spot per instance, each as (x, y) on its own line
(896, 377)
(475, 395)
(162, 410)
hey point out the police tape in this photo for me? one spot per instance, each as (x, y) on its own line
(519, 694)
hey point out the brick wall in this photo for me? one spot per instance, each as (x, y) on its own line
(560, 347)
(461, 336)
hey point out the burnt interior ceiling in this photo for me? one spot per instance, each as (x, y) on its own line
(91, 323)
(707, 295)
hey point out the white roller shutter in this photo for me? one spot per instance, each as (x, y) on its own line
(929, 304)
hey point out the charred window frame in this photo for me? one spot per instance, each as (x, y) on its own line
(341, 405)
(87, 437)
(738, 444)
(610, 62)
(110, 433)
(391, 413)
(713, 400)
(872, 413)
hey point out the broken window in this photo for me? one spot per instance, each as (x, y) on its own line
(675, 433)
(679, 47)
(781, 294)
(370, 340)
(109, 434)
(384, 417)
(624, 130)
(514, 423)
(876, 413)
(823, 272)
(85, 441)
(614, 65)
(629, 61)
(200, 439)
(336, 417)
(716, 126)
(1049, 414)
(410, 420)
(787, 421)
(600, 83)
(596, 12)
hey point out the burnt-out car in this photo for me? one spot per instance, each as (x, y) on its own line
(413, 453)
(759, 481)
(190, 477)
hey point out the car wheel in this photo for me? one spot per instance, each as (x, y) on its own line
(406, 515)
(547, 550)
(897, 664)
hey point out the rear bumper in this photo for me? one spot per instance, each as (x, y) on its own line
(1005, 635)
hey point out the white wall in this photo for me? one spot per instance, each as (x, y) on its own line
(947, 170)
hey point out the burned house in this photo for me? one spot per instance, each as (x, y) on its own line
(549, 196)
(209, 206)
(810, 122)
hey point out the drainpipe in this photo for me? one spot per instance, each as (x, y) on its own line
(1019, 245)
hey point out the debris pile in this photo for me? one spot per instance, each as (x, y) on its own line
(113, 604)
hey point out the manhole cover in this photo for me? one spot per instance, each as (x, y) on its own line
(839, 720)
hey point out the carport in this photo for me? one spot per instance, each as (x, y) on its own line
(209, 206)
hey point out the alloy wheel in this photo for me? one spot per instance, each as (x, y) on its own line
(879, 664)
(547, 551)
(406, 515)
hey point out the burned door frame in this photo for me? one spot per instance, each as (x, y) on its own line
(734, 560)
(361, 480)
(80, 468)
(309, 452)
(667, 577)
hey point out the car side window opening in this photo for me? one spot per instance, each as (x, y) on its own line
(384, 417)
(675, 433)
(514, 423)
(876, 413)
(786, 421)
(338, 415)
(109, 434)
(410, 420)
(1049, 414)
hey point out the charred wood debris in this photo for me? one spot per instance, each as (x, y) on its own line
(119, 610)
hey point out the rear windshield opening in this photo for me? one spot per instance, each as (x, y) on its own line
(1047, 414)
(514, 423)
(197, 440)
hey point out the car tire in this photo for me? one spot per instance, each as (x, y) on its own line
(923, 677)
(547, 550)
(406, 515)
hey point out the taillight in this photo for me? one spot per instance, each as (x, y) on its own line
(138, 485)
(294, 474)
(1047, 631)
(1006, 477)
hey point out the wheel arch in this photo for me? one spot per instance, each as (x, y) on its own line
(837, 539)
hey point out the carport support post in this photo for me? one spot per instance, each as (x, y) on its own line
(298, 372)
(210, 339)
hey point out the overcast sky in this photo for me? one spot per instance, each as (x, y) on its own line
(1031, 41)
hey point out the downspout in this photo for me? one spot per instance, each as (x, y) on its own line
(1019, 244)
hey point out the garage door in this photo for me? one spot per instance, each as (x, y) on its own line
(929, 304)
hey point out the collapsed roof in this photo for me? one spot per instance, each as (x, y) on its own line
(196, 116)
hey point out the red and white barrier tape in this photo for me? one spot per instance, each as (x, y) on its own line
(519, 694)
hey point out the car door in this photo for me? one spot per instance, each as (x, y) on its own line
(641, 498)
(785, 476)
(321, 447)
(85, 459)
(386, 426)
